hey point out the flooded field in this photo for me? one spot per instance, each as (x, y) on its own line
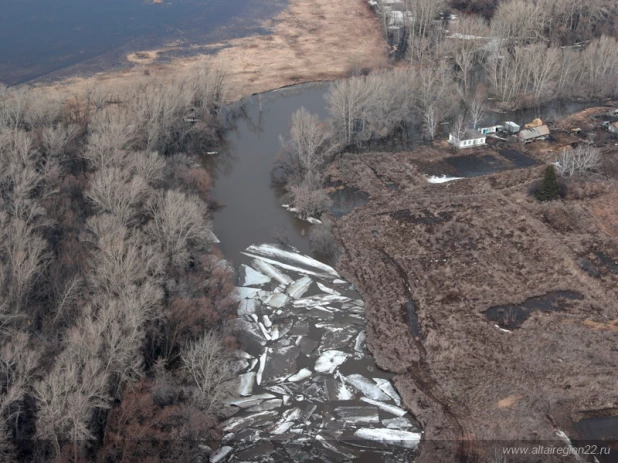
(39, 37)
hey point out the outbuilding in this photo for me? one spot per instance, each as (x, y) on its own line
(535, 133)
(469, 139)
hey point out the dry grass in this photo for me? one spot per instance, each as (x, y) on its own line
(310, 41)
(464, 247)
(605, 211)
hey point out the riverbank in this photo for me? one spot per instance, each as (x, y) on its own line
(309, 41)
(446, 254)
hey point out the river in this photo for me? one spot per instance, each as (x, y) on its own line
(62, 38)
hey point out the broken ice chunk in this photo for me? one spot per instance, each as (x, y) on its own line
(253, 364)
(248, 401)
(302, 374)
(339, 282)
(387, 436)
(266, 321)
(392, 409)
(290, 259)
(358, 414)
(264, 331)
(329, 360)
(260, 372)
(243, 292)
(245, 385)
(328, 290)
(343, 393)
(251, 277)
(281, 363)
(359, 345)
(367, 387)
(247, 307)
(266, 405)
(299, 287)
(397, 423)
(272, 272)
(220, 454)
(388, 388)
(277, 300)
(237, 423)
(240, 354)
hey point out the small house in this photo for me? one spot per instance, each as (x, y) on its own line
(492, 129)
(469, 139)
(536, 133)
(511, 127)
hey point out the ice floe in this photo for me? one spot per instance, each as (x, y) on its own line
(245, 384)
(299, 287)
(367, 387)
(387, 436)
(301, 375)
(388, 388)
(272, 272)
(220, 454)
(251, 277)
(392, 409)
(329, 361)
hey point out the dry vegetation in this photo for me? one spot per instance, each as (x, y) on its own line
(112, 302)
(461, 248)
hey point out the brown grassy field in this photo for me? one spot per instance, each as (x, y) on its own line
(310, 41)
(461, 248)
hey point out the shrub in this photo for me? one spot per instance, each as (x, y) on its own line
(322, 241)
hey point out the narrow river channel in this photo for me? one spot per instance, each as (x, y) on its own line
(309, 389)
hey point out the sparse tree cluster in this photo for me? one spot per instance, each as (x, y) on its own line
(106, 267)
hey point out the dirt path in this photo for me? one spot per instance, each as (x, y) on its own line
(312, 40)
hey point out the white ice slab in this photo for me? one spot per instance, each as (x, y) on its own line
(299, 287)
(271, 251)
(220, 454)
(251, 277)
(406, 439)
(329, 361)
(245, 384)
(326, 289)
(367, 387)
(388, 388)
(392, 409)
(272, 271)
(301, 375)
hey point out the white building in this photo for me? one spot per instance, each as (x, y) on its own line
(469, 139)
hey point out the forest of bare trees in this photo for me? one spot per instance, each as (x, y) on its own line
(112, 301)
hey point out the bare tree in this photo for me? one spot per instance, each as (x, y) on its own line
(309, 143)
(179, 224)
(112, 190)
(431, 121)
(468, 35)
(578, 161)
(346, 101)
(517, 22)
(458, 129)
(67, 398)
(476, 110)
(209, 364)
(309, 199)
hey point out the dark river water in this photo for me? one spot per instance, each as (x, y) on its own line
(252, 211)
(39, 37)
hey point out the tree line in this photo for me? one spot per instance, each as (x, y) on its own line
(113, 302)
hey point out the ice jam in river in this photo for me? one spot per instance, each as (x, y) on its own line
(308, 390)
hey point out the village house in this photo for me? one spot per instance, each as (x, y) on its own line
(469, 139)
(536, 133)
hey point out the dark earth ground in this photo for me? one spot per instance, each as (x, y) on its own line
(453, 251)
